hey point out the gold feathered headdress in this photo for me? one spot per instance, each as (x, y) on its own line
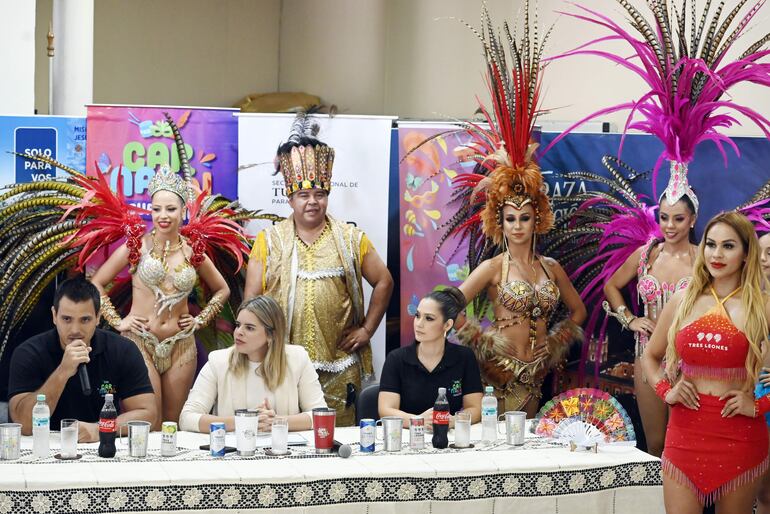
(506, 173)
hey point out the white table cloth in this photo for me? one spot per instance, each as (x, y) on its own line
(539, 477)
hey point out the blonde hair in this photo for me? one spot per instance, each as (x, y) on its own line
(752, 298)
(270, 316)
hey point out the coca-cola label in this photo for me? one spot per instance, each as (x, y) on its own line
(440, 417)
(106, 425)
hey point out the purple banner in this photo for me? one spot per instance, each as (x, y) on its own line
(140, 139)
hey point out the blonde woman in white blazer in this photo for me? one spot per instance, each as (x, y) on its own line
(259, 371)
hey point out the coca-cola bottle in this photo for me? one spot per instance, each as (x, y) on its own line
(107, 428)
(441, 420)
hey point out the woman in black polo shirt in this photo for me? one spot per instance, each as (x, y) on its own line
(412, 375)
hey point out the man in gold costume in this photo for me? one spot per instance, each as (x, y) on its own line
(313, 265)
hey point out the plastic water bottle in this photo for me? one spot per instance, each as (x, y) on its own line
(41, 428)
(489, 416)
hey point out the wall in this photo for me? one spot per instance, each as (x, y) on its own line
(402, 57)
(17, 56)
(335, 49)
(435, 65)
(178, 52)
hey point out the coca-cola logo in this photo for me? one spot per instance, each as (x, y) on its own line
(440, 417)
(106, 425)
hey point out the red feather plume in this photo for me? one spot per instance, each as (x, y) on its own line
(104, 218)
(208, 229)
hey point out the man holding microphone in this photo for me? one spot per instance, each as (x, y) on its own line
(76, 364)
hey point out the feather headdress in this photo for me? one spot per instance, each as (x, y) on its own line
(305, 162)
(757, 209)
(688, 77)
(597, 238)
(505, 172)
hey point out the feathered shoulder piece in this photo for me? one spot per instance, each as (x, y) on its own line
(103, 217)
(211, 225)
(610, 224)
(49, 226)
(683, 60)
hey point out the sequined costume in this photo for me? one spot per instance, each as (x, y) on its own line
(653, 293)
(319, 286)
(516, 381)
(170, 287)
(704, 451)
(525, 301)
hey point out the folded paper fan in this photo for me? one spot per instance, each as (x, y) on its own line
(585, 417)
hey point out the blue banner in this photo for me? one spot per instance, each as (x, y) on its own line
(61, 138)
(719, 187)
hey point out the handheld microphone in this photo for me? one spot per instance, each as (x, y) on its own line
(85, 383)
(343, 450)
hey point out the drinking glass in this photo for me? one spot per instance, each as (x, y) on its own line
(280, 435)
(69, 438)
(10, 441)
(462, 429)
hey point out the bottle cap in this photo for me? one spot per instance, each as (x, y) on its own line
(108, 397)
(489, 389)
(41, 397)
(442, 390)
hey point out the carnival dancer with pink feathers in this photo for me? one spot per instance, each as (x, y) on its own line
(686, 105)
(503, 207)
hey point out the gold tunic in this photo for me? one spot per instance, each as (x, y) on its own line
(319, 288)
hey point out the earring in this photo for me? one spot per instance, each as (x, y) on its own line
(505, 245)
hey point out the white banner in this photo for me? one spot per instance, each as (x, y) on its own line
(359, 192)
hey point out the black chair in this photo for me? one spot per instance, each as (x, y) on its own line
(366, 404)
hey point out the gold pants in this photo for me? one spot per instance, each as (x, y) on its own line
(335, 387)
(178, 349)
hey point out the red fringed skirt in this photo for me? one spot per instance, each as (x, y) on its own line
(713, 455)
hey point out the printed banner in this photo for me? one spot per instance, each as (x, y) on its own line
(140, 139)
(61, 138)
(360, 181)
(425, 189)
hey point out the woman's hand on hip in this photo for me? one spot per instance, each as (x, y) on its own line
(683, 392)
(738, 402)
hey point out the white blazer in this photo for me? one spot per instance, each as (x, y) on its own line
(219, 391)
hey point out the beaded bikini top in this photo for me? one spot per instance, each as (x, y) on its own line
(712, 346)
(525, 300)
(153, 271)
(653, 293)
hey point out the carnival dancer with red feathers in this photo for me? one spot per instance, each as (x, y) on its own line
(503, 208)
(686, 105)
(165, 264)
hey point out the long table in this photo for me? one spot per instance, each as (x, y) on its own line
(539, 477)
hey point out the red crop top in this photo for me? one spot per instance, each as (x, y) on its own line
(712, 346)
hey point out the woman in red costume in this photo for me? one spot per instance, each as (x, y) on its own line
(711, 337)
